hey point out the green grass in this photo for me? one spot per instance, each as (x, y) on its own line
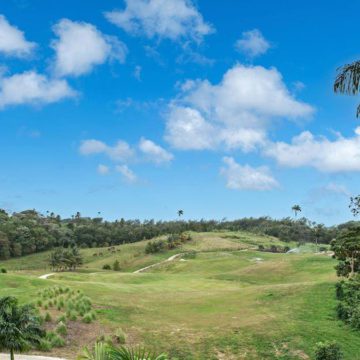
(228, 302)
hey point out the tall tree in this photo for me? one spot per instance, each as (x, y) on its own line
(19, 326)
(347, 249)
(296, 209)
(348, 80)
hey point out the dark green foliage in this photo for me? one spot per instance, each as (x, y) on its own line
(65, 259)
(346, 249)
(153, 247)
(329, 350)
(348, 308)
(274, 249)
(20, 326)
(3, 270)
(106, 267)
(116, 265)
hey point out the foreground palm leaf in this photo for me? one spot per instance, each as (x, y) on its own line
(100, 352)
(348, 80)
(123, 353)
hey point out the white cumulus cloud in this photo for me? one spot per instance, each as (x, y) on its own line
(33, 88)
(13, 41)
(252, 43)
(153, 152)
(121, 151)
(170, 19)
(245, 177)
(339, 155)
(81, 46)
(232, 114)
(128, 175)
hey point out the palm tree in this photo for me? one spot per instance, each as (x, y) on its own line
(317, 233)
(348, 80)
(19, 326)
(296, 209)
(180, 213)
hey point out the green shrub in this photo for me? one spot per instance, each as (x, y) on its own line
(3, 270)
(120, 336)
(87, 318)
(47, 317)
(116, 265)
(328, 350)
(39, 302)
(72, 316)
(61, 328)
(106, 267)
(44, 345)
(57, 341)
(61, 318)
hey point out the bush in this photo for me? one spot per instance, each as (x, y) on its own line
(3, 270)
(47, 317)
(116, 265)
(44, 345)
(61, 318)
(153, 247)
(61, 328)
(88, 318)
(106, 267)
(57, 341)
(120, 336)
(72, 316)
(328, 350)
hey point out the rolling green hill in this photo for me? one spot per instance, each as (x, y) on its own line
(222, 299)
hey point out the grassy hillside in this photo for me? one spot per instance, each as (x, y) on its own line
(228, 301)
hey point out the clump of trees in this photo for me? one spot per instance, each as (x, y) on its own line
(62, 259)
(172, 242)
(274, 248)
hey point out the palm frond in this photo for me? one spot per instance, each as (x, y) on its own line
(123, 353)
(348, 79)
(100, 352)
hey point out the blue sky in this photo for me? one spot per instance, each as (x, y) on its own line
(137, 108)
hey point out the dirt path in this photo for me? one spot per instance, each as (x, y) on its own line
(44, 277)
(171, 258)
(28, 357)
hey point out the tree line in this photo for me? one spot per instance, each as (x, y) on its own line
(29, 231)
